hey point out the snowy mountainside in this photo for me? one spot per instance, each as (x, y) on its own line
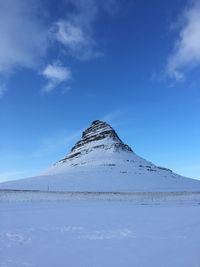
(100, 161)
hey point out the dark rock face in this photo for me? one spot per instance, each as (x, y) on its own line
(98, 131)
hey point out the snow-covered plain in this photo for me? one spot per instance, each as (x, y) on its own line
(99, 232)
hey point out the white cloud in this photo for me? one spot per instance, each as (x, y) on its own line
(186, 54)
(23, 35)
(55, 75)
(26, 34)
(77, 40)
(76, 31)
(69, 34)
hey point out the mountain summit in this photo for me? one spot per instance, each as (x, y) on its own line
(100, 161)
(100, 135)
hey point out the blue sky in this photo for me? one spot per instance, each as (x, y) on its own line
(65, 63)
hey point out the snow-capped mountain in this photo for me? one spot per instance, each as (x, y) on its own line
(100, 161)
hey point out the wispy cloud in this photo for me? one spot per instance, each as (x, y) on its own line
(11, 175)
(27, 34)
(76, 31)
(186, 52)
(23, 35)
(76, 39)
(3, 89)
(55, 75)
(54, 144)
(114, 116)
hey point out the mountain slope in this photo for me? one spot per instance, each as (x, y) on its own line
(100, 161)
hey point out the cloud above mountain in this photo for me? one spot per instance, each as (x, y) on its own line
(23, 35)
(55, 74)
(28, 36)
(186, 52)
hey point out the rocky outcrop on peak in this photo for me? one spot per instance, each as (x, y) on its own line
(99, 135)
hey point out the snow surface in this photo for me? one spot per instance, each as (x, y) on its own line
(136, 197)
(107, 171)
(84, 233)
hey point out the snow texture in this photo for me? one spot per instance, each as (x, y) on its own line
(84, 233)
(136, 197)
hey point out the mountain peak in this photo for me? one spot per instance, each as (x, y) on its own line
(99, 130)
(99, 135)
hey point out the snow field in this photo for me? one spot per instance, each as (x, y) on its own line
(97, 233)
